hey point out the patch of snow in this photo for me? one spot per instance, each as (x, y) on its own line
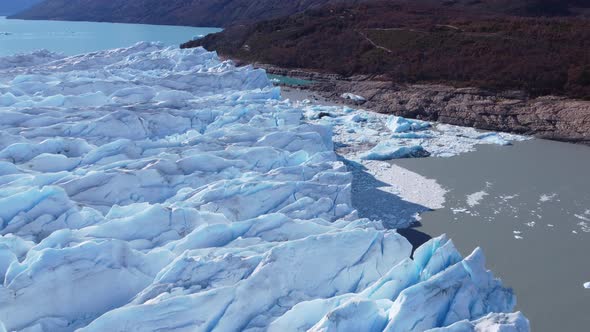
(587, 285)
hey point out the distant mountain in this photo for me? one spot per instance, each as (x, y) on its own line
(10, 7)
(227, 12)
(172, 12)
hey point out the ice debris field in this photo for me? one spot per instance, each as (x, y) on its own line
(158, 189)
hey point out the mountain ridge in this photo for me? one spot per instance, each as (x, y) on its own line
(10, 7)
(422, 44)
(229, 12)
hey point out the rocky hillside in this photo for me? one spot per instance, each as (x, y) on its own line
(227, 12)
(10, 7)
(411, 43)
(172, 12)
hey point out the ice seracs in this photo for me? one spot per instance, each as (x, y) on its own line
(151, 188)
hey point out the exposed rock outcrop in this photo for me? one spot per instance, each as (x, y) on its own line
(548, 117)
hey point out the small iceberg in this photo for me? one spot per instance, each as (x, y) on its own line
(494, 138)
(391, 150)
(397, 124)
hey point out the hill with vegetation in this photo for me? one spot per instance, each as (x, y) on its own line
(422, 43)
(10, 7)
(172, 12)
(228, 12)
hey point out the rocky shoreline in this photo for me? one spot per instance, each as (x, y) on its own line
(548, 117)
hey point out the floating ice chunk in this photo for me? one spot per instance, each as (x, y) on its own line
(398, 124)
(547, 197)
(391, 150)
(494, 138)
(587, 285)
(475, 198)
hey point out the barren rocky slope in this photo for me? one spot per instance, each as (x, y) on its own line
(548, 117)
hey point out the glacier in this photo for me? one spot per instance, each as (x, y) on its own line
(157, 189)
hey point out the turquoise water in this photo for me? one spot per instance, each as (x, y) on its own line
(18, 36)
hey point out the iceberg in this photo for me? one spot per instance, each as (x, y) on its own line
(156, 189)
(398, 124)
(391, 150)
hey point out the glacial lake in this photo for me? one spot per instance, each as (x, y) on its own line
(528, 207)
(70, 38)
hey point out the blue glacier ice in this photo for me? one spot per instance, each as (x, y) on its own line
(157, 189)
(387, 150)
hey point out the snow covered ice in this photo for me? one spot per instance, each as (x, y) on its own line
(158, 189)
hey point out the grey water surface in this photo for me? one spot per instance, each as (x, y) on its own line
(532, 221)
(70, 38)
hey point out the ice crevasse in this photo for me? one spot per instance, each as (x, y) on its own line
(157, 189)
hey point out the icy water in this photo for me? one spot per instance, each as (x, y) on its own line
(528, 207)
(18, 36)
